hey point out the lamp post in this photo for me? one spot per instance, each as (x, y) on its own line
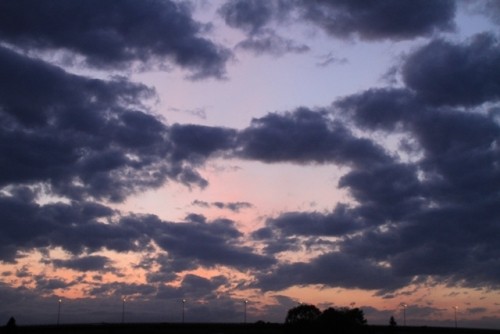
(123, 310)
(404, 305)
(245, 314)
(183, 309)
(455, 308)
(59, 311)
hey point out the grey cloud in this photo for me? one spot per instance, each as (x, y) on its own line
(209, 244)
(382, 108)
(114, 34)
(237, 206)
(489, 8)
(332, 270)
(385, 193)
(197, 286)
(432, 217)
(195, 143)
(306, 136)
(121, 290)
(80, 231)
(47, 285)
(388, 19)
(269, 42)
(439, 211)
(232, 206)
(337, 223)
(27, 226)
(446, 73)
(252, 16)
(86, 137)
(329, 59)
(86, 263)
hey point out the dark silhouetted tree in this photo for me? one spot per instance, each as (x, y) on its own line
(11, 323)
(341, 320)
(392, 322)
(10, 327)
(302, 314)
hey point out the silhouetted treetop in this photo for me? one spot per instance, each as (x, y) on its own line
(303, 313)
(342, 317)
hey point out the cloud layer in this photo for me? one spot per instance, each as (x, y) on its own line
(114, 35)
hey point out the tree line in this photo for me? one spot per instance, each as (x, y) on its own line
(309, 317)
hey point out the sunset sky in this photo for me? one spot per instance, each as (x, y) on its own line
(331, 152)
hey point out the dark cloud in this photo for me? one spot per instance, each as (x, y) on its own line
(489, 8)
(305, 136)
(114, 34)
(86, 137)
(46, 285)
(329, 59)
(123, 290)
(86, 263)
(269, 42)
(338, 223)
(431, 217)
(332, 270)
(386, 193)
(195, 142)
(74, 227)
(78, 229)
(250, 16)
(195, 286)
(382, 108)
(232, 206)
(446, 73)
(254, 17)
(388, 19)
(209, 244)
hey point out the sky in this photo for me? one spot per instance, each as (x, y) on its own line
(335, 153)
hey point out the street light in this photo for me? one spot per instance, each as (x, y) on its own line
(183, 307)
(58, 310)
(123, 309)
(404, 312)
(245, 317)
(455, 308)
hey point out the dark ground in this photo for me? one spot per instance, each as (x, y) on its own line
(165, 328)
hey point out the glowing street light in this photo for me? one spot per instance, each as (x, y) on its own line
(59, 311)
(404, 306)
(183, 309)
(455, 308)
(245, 316)
(123, 309)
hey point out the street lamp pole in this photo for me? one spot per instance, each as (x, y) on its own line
(245, 317)
(123, 310)
(59, 311)
(183, 307)
(455, 308)
(404, 313)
